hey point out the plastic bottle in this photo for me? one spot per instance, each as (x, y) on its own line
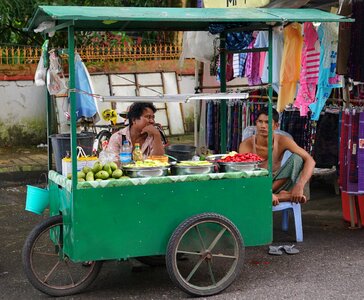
(137, 153)
(125, 154)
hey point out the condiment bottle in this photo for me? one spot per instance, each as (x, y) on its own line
(137, 153)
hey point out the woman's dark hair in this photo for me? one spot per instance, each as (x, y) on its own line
(136, 110)
(264, 111)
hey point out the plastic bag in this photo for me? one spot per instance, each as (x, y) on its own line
(40, 73)
(56, 82)
(107, 156)
(200, 45)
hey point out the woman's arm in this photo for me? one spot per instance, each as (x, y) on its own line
(157, 145)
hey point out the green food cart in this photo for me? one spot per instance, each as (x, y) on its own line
(198, 224)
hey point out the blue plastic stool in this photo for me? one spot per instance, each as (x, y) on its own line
(285, 207)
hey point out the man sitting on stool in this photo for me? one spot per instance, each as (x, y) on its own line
(290, 178)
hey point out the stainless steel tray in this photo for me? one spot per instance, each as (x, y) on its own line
(189, 170)
(237, 166)
(145, 172)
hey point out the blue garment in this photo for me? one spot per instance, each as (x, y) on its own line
(242, 60)
(327, 78)
(236, 41)
(85, 103)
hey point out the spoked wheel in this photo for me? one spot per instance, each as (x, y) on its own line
(213, 253)
(49, 269)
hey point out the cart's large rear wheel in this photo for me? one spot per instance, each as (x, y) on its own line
(213, 250)
(49, 269)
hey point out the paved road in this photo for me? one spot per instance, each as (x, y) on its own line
(330, 264)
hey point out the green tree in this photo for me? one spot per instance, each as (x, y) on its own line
(14, 15)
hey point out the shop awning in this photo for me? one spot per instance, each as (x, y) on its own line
(88, 18)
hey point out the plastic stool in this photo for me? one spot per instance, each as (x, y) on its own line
(296, 209)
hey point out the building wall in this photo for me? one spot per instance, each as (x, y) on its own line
(23, 109)
(22, 113)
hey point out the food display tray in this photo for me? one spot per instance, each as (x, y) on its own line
(237, 166)
(189, 170)
(145, 172)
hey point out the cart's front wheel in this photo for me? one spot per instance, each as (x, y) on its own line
(213, 253)
(49, 269)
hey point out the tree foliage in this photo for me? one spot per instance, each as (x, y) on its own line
(14, 15)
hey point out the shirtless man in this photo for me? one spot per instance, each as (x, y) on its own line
(288, 180)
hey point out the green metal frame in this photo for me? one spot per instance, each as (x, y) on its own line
(131, 221)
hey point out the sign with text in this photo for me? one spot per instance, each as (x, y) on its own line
(234, 3)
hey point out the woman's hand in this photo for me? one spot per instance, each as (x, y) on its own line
(151, 130)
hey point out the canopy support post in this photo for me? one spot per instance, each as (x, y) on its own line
(223, 90)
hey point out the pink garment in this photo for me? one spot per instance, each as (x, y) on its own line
(252, 66)
(261, 63)
(116, 140)
(310, 63)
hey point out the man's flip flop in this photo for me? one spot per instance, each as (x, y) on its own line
(275, 250)
(290, 249)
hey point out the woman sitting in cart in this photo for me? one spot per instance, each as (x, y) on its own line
(290, 178)
(140, 130)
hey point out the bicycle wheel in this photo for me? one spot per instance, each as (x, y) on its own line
(49, 269)
(103, 135)
(213, 253)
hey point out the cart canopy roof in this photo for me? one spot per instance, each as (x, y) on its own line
(90, 18)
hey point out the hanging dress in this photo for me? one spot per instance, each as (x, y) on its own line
(310, 63)
(291, 65)
(327, 80)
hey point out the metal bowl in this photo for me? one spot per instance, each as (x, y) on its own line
(237, 166)
(146, 172)
(215, 157)
(190, 170)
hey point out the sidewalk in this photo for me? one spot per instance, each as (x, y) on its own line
(22, 165)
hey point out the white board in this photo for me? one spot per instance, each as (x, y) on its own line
(173, 108)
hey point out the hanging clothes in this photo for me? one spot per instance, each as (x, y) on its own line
(351, 151)
(238, 116)
(343, 152)
(229, 68)
(296, 126)
(252, 66)
(236, 65)
(310, 63)
(361, 154)
(328, 36)
(236, 41)
(86, 104)
(353, 168)
(291, 65)
(326, 153)
(262, 41)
